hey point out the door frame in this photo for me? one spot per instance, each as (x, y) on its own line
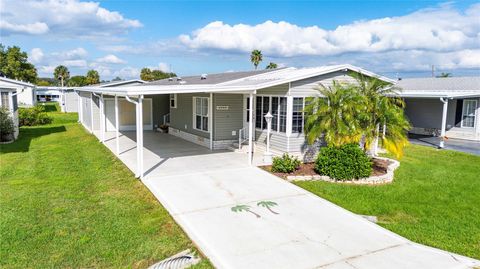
(475, 107)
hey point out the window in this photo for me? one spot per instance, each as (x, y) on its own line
(200, 113)
(248, 109)
(277, 107)
(468, 113)
(297, 117)
(5, 102)
(173, 100)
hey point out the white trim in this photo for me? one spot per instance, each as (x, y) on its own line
(210, 119)
(175, 100)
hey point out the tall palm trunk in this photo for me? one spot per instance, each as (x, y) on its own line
(374, 147)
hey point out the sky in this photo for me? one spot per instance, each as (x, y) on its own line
(119, 37)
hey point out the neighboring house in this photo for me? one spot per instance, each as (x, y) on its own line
(217, 110)
(66, 97)
(443, 106)
(10, 91)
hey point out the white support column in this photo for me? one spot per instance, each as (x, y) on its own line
(140, 134)
(80, 107)
(289, 124)
(117, 127)
(444, 121)
(250, 130)
(102, 119)
(210, 119)
(91, 112)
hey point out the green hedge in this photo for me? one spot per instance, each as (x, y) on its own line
(285, 164)
(346, 162)
(33, 116)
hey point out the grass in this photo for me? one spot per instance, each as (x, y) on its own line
(66, 201)
(434, 199)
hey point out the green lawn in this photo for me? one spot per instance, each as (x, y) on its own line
(434, 199)
(67, 202)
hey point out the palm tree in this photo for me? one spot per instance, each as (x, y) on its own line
(92, 77)
(256, 57)
(335, 115)
(61, 72)
(241, 208)
(382, 109)
(444, 75)
(268, 205)
(271, 65)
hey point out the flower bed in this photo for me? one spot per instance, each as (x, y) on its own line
(382, 172)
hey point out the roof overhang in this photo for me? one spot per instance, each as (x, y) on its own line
(439, 95)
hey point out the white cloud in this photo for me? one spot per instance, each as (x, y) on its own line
(164, 67)
(36, 28)
(77, 53)
(36, 55)
(68, 18)
(127, 73)
(111, 59)
(75, 63)
(440, 29)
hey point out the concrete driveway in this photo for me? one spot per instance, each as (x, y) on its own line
(467, 146)
(199, 188)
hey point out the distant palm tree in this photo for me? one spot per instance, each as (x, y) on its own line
(92, 77)
(241, 208)
(256, 57)
(268, 205)
(335, 115)
(61, 73)
(271, 66)
(444, 75)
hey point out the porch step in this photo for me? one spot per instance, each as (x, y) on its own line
(459, 134)
(257, 147)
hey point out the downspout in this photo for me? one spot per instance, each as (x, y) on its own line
(102, 112)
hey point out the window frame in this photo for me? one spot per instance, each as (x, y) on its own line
(279, 112)
(302, 115)
(172, 97)
(475, 101)
(194, 114)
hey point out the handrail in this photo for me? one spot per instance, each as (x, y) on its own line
(242, 137)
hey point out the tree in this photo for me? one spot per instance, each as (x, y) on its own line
(42, 82)
(62, 74)
(256, 57)
(335, 117)
(271, 66)
(77, 81)
(382, 108)
(14, 64)
(445, 75)
(117, 79)
(149, 75)
(92, 77)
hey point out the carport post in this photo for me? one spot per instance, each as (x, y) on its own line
(140, 134)
(80, 116)
(444, 121)
(102, 118)
(250, 130)
(210, 120)
(117, 136)
(91, 112)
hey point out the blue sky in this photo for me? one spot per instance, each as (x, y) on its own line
(118, 38)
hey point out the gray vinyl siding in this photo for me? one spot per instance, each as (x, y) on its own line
(161, 107)
(278, 141)
(275, 90)
(427, 113)
(226, 121)
(306, 87)
(181, 118)
(71, 101)
(96, 113)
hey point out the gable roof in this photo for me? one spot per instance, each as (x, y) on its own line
(454, 87)
(210, 78)
(246, 83)
(8, 82)
(119, 83)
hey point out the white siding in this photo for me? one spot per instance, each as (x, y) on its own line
(306, 87)
(71, 101)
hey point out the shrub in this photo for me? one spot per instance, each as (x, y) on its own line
(285, 164)
(33, 116)
(7, 127)
(343, 163)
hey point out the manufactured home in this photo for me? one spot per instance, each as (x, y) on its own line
(446, 107)
(217, 111)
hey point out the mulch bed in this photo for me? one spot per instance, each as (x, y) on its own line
(308, 169)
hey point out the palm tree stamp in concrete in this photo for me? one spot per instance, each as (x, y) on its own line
(268, 205)
(246, 208)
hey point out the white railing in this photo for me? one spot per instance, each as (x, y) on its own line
(242, 136)
(166, 119)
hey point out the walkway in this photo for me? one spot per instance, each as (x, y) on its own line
(200, 188)
(468, 146)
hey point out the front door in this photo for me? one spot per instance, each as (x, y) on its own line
(468, 113)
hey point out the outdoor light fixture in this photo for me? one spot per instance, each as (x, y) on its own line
(267, 156)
